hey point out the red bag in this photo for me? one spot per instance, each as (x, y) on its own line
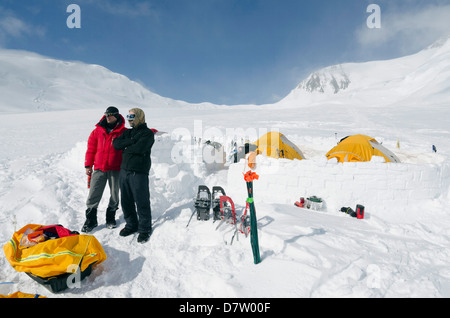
(58, 230)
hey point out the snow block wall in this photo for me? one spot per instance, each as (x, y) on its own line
(170, 181)
(162, 148)
(383, 188)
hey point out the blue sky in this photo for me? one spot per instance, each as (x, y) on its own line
(221, 51)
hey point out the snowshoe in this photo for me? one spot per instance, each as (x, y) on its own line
(217, 193)
(244, 227)
(227, 210)
(203, 203)
(228, 215)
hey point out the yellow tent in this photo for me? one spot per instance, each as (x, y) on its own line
(276, 145)
(360, 148)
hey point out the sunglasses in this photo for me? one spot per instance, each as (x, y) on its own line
(131, 117)
(110, 114)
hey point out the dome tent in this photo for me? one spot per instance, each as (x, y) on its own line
(360, 148)
(276, 145)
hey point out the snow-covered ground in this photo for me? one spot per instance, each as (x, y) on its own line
(398, 252)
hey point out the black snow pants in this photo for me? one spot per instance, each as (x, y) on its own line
(135, 200)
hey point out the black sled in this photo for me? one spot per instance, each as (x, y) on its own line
(59, 283)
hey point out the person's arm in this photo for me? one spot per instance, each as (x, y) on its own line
(143, 142)
(123, 141)
(91, 151)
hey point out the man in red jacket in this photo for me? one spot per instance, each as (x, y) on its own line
(103, 162)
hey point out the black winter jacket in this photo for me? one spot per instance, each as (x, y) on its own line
(136, 145)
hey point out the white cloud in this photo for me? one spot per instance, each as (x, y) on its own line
(141, 9)
(123, 8)
(13, 27)
(409, 30)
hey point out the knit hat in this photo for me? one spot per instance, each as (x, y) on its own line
(112, 109)
(140, 116)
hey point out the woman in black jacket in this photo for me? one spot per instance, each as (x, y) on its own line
(136, 145)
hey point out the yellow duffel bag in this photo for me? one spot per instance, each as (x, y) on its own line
(50, 254)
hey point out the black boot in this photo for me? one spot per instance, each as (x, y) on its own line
(144, 237)
(126, 231)
(111, 218)
(91, 220)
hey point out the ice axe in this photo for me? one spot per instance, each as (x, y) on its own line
(249, 177)
(89, 180)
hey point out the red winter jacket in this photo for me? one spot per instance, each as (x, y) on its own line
(100, 151)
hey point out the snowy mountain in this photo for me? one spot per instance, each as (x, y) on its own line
(420, 78)
(31, 82)
(332, 79)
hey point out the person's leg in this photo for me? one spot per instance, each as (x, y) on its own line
(127, 202)
(142, 199)
(114, 186)
(98, 183)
